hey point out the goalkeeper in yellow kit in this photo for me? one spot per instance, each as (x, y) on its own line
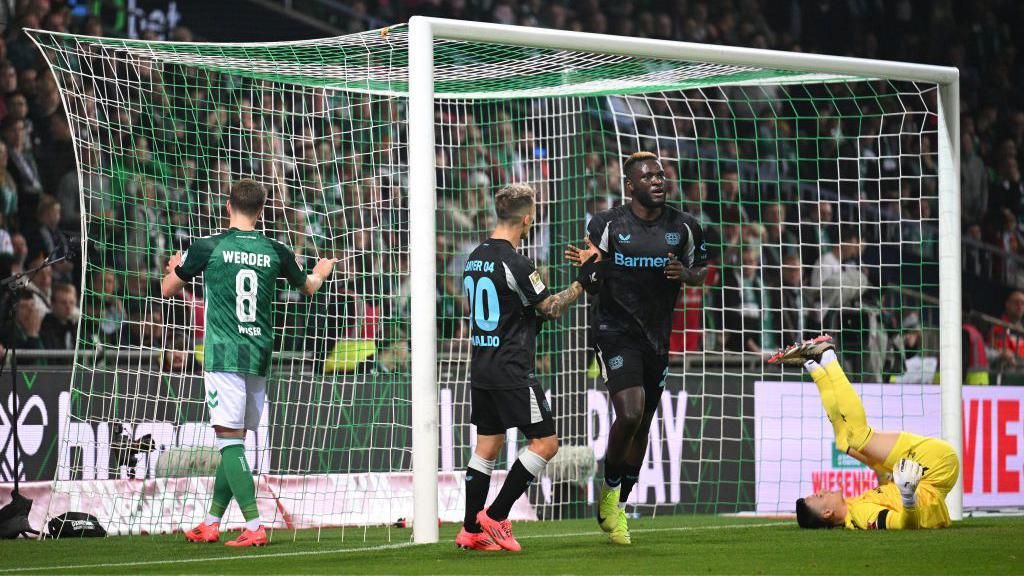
(923, 469)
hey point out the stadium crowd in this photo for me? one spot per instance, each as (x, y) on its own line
(810, 259)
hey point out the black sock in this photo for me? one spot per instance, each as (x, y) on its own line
(629, 479)
(515, 485)
(477, 485)
(612, 474)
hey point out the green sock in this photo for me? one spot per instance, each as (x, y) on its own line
(236, 470)
(221, 492)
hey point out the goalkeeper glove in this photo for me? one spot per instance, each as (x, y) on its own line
(590, 275)
(907, 475)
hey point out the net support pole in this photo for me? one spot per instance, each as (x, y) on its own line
(950, 373)
(422, 281)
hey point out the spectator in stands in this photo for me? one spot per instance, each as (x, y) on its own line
(1008, 185)
(8, 188)
(43, 238)
(21, 163)
(699, 205)
(777, 241)
(60, 326)
(973, 182)
(103, 312)
(909, 362)
(6, 243)
(848, 307)
(57, 154)
(145, 328)
(40, 283)
(729, 198)
(817, 231)
(22, 331)
(975, 356)
(8, 83)
(28, 79)
(1008, 338)
(46, 105)
(1003, 231)
(19, 253)
(792, 303)
(177, 358)
(744, 300)
(17, 109)
(20, 50)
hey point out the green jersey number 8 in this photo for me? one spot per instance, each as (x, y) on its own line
(246, 285)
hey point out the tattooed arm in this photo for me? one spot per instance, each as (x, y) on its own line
(553, 306)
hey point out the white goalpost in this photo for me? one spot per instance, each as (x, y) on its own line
(422, 35)
(828, 187)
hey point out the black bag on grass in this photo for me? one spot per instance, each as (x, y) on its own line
(75, 525)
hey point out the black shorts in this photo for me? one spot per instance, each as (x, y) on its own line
(626, 364)
(495, 411)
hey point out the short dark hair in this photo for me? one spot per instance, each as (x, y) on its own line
(635, 158)
(62, 287)
(248, 197)
(807, 518)
(513, 201)
(46, 203)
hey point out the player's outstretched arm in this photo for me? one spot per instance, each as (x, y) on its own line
(321, 272)
(172, 283)
(553, 306)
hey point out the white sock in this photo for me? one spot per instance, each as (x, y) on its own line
(533, 462)
(828, 357)
(622, 505)
(479, 464)
(811, 366)
(211, 520)
(253, 524)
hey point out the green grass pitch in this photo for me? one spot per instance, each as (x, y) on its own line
(663, 545)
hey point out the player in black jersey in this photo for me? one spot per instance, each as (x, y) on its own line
(647, 251)
(508, 302)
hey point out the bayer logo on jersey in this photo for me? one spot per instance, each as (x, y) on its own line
(672, 238)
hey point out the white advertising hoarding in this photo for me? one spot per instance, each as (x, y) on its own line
(795, 452)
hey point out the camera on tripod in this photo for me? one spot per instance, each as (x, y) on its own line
(128, 452)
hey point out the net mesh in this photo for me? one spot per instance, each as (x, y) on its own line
(817, 194)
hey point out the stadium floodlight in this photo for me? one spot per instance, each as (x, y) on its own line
(383, 148)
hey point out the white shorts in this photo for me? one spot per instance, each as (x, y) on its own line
(235, 400)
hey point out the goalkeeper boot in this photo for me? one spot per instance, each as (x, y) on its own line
(797, 354)
(608, 509)
(620, 532)
(204, 533)
(256, 537)
(478, 541)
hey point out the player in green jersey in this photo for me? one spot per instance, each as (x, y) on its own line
(240, 268)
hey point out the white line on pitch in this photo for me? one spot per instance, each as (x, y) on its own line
(670, 529)
(211, 559)
(367, 548)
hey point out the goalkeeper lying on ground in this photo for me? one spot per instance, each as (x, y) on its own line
(923, 469)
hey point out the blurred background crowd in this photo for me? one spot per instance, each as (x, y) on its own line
(803, 241)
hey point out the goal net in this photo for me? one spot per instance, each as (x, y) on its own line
(818, 193)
